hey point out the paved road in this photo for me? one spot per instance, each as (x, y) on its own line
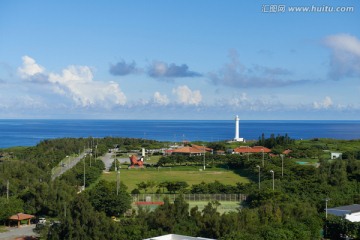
(22, 231)
(108, 159)
(68, 164)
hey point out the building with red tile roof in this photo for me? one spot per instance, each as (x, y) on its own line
(21, 216)
(190, 151)
(202, 148)
(287, 151)
(247, 149)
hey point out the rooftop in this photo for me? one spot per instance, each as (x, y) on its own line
(347, 209)
(177, 237)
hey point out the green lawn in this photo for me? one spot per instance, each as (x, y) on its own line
(191, 175)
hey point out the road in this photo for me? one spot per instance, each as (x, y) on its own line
(22, 231)
(68, 164)
(108, 159)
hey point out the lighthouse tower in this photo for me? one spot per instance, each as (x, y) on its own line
(237, 137)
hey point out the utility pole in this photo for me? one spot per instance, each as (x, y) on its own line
(204, 156)
(272, 172)
(259, 175)
(115, 159)
(262, 150)
(326, 204)
(7, 189)
(117, 182)
(282, 165)
(96, 149)
(90, 152)
(65, 210)
(84, 171)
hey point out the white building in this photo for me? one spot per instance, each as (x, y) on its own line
(349, 212)
(336, 155)
(177, 237)
(237, 137)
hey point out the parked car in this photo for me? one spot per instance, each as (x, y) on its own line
(41, 220)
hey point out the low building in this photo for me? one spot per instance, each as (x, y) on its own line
(177, 237)
(349, 212)
(247, 149)
(336, 155)
(193, 150)
(20, 217)
(188, 151)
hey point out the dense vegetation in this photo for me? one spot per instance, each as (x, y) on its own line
(293, 210)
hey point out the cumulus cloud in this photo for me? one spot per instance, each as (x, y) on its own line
(31, 71)
(235, 74)
(345, 56)
(160, 99)
(164, 70)
(187, 96)
(122, 68)
(77, 82)
(324, 104)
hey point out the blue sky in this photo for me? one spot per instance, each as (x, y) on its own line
(160, 59)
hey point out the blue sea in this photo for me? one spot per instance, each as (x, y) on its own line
(30, 132)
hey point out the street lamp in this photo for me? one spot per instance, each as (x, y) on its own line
(118, 182)
(84, 171)
(262, 150)
(272, 172)
(259, 175)
(204, 156)
(326, 203)
(282, 165)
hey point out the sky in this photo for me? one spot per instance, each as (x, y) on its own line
(180, 59)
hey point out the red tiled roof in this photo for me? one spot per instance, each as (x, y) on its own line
(255, 149)
(187, 150)
(21, 216)
(201, 148)
(287, 151)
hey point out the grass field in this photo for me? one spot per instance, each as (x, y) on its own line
(191, 175)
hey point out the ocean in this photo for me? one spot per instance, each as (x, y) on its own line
(30, 132)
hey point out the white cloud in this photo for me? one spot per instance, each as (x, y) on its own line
(78, 83)
(187, 96)
(325, 104)
(345, 57)
(160, 99)
(29, 68)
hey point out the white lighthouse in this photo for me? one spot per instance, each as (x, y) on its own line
(237, 137)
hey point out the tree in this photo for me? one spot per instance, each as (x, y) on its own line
(175, 186)
(211, 220)
(83, 222)
(10, 207)
(103, 197)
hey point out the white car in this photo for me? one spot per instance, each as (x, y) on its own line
(42, 220)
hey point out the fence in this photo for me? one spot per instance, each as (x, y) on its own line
(190, 197)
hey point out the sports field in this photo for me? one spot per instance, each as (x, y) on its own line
(191, 175)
